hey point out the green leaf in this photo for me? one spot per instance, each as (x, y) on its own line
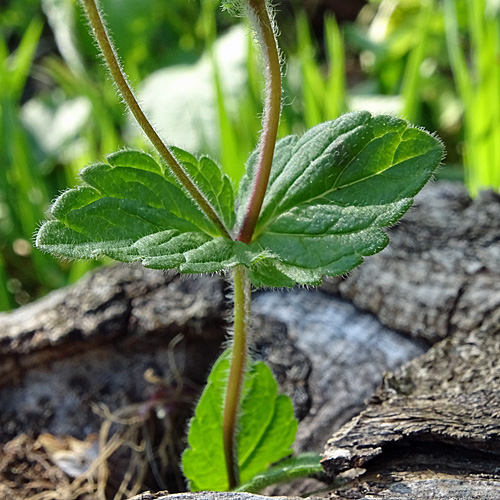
(301, 466)
(332, 191)
(131, 208)
(266, 432)
(212, 181)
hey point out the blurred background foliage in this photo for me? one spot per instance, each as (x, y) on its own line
(196, 70)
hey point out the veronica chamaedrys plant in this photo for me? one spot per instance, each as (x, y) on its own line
(306, 207)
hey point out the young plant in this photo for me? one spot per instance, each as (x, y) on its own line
(306, 207)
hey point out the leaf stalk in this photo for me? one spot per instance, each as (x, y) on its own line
(110, 56)
(259, 13)
(242, 302)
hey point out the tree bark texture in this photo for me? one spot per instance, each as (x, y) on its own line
(91, 344)
(439, 273)
(433, 426)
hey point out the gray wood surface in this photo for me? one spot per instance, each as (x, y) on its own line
(440, 412)
(440, 272)
(91, 343)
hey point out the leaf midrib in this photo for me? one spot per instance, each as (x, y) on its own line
(273, 217)
(301, 172)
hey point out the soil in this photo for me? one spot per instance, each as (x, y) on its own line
(27, 472)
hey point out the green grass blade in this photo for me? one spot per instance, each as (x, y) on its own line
(457, 57)
(313, 86)
(5, 296)
(335, 93)
(229, 151)
(20, 61)
(411, 78)
(478, 85)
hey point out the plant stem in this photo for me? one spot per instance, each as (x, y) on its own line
(108, 51)
(242, 301)
(259, 15)
(262, 23)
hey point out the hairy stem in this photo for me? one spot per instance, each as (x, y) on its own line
(242, 301)
(259, 14)
(108, 51)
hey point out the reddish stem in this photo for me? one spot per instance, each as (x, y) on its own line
(261, 19)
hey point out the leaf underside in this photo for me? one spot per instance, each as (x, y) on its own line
(330, 193)
(266, 431)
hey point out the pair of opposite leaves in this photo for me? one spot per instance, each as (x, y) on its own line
(330, 192)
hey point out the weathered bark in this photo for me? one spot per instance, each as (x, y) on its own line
(438, 415)
(440, 272)
(425, 489)
(208, 495)
(92, 342)
(349, 352)
(449, 396)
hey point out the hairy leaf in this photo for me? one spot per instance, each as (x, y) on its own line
(212, 181)
(131, 208)
(301, 466)
(266, 432)
(332, 191)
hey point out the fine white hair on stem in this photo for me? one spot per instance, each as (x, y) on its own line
(229, 315)
(257, 33)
